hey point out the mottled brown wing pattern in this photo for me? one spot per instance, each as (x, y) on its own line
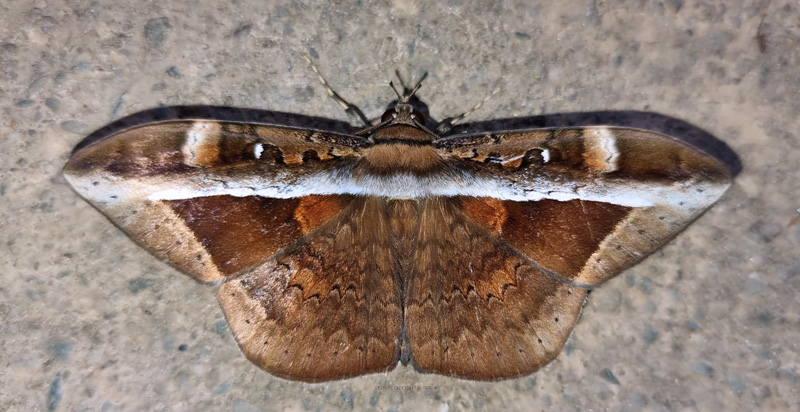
(475, 307)
(327, 308)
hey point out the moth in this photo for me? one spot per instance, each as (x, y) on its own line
(339, 255)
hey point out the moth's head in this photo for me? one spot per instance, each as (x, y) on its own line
(401, 121)
(403, 113)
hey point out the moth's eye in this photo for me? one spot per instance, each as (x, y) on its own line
(416, 115)
(389, 115)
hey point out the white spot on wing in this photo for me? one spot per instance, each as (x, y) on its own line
(546, 155)
(258, 150)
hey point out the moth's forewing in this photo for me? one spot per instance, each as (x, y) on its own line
(586, 203)
(185, 190)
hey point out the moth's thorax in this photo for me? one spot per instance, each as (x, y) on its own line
(402, 148)
(401, 133)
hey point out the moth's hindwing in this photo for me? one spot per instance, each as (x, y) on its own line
(477, 308)
(328, 307)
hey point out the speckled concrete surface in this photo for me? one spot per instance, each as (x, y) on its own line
(710, 322)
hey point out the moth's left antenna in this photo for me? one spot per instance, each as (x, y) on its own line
(352, 110)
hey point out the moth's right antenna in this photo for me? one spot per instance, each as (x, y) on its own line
(447, 124)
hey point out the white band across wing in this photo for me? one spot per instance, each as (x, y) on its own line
(685, 195)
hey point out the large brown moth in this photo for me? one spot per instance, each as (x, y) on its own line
(343, 254)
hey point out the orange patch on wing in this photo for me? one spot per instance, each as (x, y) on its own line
(561, 236)
(486, 211)
(312, 211)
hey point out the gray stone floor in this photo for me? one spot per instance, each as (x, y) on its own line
(711, 322)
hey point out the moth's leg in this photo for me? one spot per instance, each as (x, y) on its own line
(447, 124)
(352, 110)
